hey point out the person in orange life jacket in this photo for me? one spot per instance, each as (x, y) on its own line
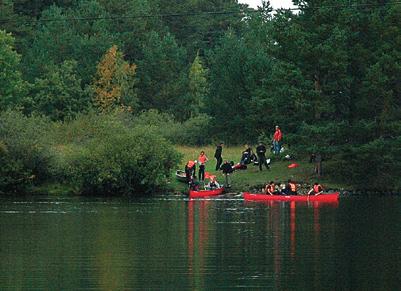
(317, 189)
(190, 170)
(277, 137)
(291, 188)
(271, 189)
(202, 159)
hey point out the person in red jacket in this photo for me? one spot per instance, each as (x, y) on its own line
(277, 137)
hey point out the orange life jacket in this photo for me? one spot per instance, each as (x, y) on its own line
(202, 159)
(272, 188)
(190, 164)
(317, 188)
(293, 187)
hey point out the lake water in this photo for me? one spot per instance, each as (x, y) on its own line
(170, 242)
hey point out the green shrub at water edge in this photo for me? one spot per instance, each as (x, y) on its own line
(117, 158)
(24, 154)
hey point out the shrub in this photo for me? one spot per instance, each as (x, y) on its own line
(195, 131)
(117, 159)
(25, 150)
(13, 176)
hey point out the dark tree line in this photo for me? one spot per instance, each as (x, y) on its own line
(329, 73)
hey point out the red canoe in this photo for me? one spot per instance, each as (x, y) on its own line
(205, 193)
(325, 197)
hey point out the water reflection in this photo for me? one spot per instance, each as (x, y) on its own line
(197, 241)
(199, 245)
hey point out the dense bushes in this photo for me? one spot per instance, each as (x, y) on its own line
(115, 156)
(97, 154)
(24, 152)
(194, 131)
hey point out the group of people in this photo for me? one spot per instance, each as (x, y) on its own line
(248, 156)
(190, 167)
(290, 188)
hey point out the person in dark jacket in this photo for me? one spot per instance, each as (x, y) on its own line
(261, 152)
(218, 155)
(246, 156)
(227, 169)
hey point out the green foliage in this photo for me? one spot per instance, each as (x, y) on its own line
(66, 39)
(12, 87)
(162, 79)
(163, 124)
(228, 101)
(198, 86)
(25, 150)
(200, 31)
(128, 25)
(193, 131)
(117, 159)
(371, 165)
(58, 93)
(13, 175)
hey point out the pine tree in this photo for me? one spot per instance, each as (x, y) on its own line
(198, 86)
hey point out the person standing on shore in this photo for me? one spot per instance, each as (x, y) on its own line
(218, 155)
(277, 137)
(227, 170)
(261, 151)
(202, 159)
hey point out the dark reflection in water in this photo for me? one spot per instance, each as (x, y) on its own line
(174, 243)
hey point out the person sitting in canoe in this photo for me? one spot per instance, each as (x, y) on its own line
(213, 184)
(317, 189)
(290, 189)
(270, 189)
(190, 170)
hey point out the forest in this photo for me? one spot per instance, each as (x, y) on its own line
(97, 92)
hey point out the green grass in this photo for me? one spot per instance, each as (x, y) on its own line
(252, 178)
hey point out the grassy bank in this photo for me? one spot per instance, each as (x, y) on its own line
(252, 178)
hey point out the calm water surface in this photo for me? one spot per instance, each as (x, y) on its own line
(171, 242)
